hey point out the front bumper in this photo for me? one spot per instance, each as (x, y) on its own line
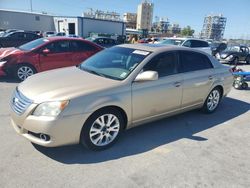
(64, 130)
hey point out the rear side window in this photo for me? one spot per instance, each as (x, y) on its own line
(165, 64)
(192, 61)
(80, 46)
(198, 44)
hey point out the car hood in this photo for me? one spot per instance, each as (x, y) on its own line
(4, 52)
(225, 54)
(63, 84)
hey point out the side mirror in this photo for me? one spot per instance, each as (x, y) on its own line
(147, 76)
(46, 51)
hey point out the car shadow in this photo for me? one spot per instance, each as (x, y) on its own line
(152, 135)
(8, 79)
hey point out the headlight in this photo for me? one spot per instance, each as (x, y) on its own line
(50, 108)
(2, 63)
(229, 57)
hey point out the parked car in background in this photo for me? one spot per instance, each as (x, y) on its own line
(234, 54)
(45, 54)
(114, 90)
(17, 38)
(217, 47)
(103, 41)
(149, 40)
(49, 33)
(189, 42)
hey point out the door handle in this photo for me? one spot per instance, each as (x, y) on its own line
(177, 84)
(210, 77)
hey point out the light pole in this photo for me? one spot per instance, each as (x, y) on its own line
(31, 8)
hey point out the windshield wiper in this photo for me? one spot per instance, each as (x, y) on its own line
(100, 74)
(94, 72)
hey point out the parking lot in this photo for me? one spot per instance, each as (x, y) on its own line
(188, 150)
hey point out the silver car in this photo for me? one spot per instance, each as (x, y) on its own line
(116, 89)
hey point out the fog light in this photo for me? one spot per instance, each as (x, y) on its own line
(44, 137)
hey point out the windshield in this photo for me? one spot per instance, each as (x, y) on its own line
(33, 44)
(115, 63)
(177, 42)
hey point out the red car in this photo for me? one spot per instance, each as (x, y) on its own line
(45, 54)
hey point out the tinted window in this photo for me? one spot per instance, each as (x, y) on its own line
(165, 64)
(30, 36)
(58, 47)
(17, 35)
(191, 61)
(198, 44)
(81, 46)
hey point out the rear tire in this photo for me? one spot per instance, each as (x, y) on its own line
(248, 60)
(236, 61)
(23, 71)
(212, 102)
(102, 129)
(244, 85)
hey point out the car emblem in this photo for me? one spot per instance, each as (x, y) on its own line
(15, 100)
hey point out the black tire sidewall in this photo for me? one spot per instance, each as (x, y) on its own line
(85, 138)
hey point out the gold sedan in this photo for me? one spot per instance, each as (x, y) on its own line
(116, 89)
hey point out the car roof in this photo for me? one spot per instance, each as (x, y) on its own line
(159, 47)
(55, 38)
(155, 47)
(180, 38)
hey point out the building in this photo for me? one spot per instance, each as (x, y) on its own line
(161, 26)
(81, 26)
(130, 20)
(145, 15)
(103, 15)
(175, 29)
(214, 27)
(26, 21)
(85, 26)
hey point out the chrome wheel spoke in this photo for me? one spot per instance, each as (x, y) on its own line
(104, 130)
(213, 100)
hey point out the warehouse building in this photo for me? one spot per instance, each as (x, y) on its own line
(26, 21)
(84, 26)
(81, 26)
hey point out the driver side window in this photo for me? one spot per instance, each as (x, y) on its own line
(58, 47)
(165, 64)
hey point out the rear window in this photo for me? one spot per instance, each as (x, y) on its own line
(192, 61)
(199, 44)
(81, 46)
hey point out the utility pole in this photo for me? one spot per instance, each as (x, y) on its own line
(31, 8)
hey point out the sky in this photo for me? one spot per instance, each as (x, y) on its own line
(184, 12)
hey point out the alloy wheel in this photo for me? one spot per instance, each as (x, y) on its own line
(213, 100)
(24, 72)
(104, 130)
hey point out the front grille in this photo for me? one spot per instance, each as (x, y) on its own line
(19, 102)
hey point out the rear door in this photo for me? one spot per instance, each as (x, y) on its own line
(58, 56)
(153, 98)
(198, 76)
(81, 50)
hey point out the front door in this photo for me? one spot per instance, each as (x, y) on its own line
(154, 98)
(58, 55)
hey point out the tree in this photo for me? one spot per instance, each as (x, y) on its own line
(187, 31)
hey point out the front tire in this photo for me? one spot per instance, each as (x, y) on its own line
(23, 71)
(102, 129)
(212, 101)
